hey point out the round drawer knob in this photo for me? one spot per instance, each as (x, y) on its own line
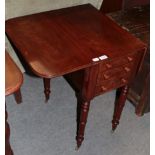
(130, 58)
(103, 88)
(106, 76)
(124, 80)
(127, 69)
(108, 65)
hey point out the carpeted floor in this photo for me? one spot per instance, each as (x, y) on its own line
(49, 129)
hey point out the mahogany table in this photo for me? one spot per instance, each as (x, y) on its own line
(93, 53)
(13, 81)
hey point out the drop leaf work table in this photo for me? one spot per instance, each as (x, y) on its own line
(92, 52)
(13, 82)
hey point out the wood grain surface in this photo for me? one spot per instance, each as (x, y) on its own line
(57, 42)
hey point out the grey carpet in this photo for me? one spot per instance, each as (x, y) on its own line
(49, 129)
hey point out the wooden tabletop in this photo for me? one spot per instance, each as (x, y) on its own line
(13, 76)
(57, 42)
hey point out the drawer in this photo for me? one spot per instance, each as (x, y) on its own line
(113, 83)
(124, 70)
(109, 64)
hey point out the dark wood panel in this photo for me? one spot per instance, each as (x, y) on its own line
(111, 5)
(115, 5)
(128, 4)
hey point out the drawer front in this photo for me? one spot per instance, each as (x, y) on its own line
(124, 70)
(109, 64)
(114, 83)
(115, 73)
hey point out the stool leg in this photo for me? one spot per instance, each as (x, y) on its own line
(18, 96)
(8, 150)
(119, 107)
(46, 88)
(78, 111)
(82, 122)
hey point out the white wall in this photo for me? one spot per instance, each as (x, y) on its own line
(16, 8)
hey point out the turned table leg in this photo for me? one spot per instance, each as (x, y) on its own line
(47, 90)
(119, 106)
(8, 150)
(18, 96)
(82, 122)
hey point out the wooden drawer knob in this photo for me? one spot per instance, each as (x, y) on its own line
(103, 88)
(106, 76)
(108, 65)
(130, 58)
(124, 80)
(127, 69)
